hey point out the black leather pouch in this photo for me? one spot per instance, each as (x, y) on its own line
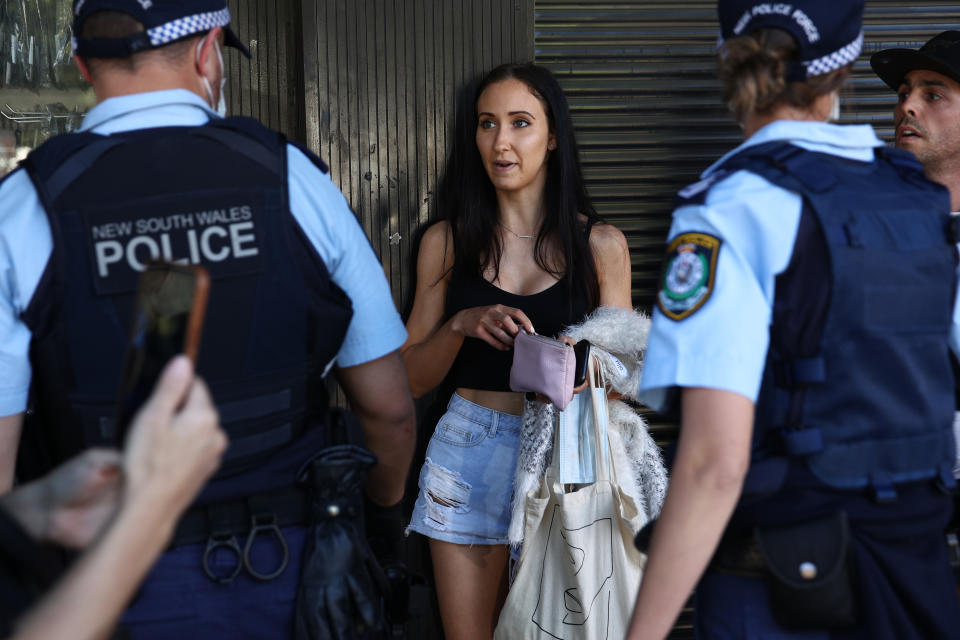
(811, 573)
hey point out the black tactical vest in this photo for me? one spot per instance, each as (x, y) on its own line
(214, 195)
(858, 385)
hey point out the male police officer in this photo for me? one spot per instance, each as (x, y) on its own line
(927, 115)
(156, 172)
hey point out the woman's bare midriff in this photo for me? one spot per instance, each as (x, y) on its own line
(502, 401)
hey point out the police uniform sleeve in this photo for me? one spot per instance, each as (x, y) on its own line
(714, 304)
(327, 220)
(25, 246)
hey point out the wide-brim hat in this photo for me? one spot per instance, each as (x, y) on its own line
(828, 33)
(941, 54)
(164, 22)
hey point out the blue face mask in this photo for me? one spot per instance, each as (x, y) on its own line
(221, 106)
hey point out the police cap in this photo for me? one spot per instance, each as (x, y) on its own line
(829, 33)
(164, 22)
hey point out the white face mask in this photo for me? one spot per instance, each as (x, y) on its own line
(835, 109)
(221, 106)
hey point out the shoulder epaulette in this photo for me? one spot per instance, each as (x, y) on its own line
(696, 193)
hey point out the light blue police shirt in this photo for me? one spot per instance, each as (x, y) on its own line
(316, 203)
(723, 344)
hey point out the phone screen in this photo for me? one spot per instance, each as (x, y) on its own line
(581, 352)
(167, 318)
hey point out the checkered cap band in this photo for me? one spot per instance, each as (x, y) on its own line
(187, 26)
(182, 27)
(839, 58)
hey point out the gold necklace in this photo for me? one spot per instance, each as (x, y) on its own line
(522, 237)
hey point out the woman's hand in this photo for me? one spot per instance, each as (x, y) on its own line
(586, 379)
(72, 504)
(611, 395)
(82, 495)
(496, 324)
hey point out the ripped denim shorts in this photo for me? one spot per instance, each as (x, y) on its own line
(466, 484)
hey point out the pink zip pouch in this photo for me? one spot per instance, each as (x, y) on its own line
(543, 365)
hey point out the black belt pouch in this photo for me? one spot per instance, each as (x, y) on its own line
(811, 573)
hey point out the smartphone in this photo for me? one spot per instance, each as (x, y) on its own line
(168, 316)
(581, 352)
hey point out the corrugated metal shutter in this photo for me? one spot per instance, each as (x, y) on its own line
(639, 77)
(641, 81)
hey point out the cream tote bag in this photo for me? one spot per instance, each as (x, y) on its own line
(579, 571)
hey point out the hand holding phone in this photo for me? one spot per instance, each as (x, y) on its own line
(581, 351)
(168, 319)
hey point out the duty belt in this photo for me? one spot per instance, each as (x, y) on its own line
(953, 537)
(738, 553)
(219, 525)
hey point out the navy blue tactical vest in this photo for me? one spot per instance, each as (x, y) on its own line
(214, 195)
(858, 382)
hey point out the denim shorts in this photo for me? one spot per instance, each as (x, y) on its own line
(466, 484)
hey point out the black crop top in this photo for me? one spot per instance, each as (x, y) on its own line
(480, 366)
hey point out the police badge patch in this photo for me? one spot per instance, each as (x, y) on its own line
(688, 274)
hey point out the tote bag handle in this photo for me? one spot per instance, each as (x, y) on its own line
(601, 452)
(603, 469)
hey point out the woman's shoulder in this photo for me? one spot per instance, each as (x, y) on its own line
(437, 239)
(605, 236)
(611, 257)
(437, 232)
(435, 252)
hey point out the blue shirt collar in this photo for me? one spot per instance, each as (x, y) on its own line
(169, 108)
(856, 142)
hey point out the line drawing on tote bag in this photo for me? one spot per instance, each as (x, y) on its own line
(582, 609)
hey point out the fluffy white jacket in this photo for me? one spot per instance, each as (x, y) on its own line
(618, 339)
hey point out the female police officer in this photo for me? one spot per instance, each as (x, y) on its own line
(804, 317)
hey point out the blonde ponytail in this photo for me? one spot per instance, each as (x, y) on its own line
(753, 70)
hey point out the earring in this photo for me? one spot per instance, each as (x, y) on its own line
(551, 146)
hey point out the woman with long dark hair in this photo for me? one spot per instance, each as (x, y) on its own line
(519, 246)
